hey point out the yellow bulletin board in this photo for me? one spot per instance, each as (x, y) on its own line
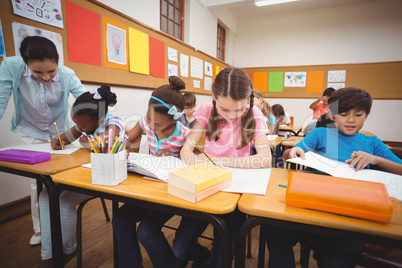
(109, 72)
(381, 80)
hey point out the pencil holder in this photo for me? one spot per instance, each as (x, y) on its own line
(109, 169)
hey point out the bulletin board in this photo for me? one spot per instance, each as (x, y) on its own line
(381, 80)
(104, 72)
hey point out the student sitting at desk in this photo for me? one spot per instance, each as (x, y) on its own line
(187, 119)
(265, 109)
(231, 123)
(166, 136)
(90, 113)
(348, 108)
(40, 89)
(320, 106)
(281, 117)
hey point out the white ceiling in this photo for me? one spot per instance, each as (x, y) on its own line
(246, 8)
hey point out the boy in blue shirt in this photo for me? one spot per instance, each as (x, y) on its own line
(349, 108)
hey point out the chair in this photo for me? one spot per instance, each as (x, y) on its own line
(79, 226)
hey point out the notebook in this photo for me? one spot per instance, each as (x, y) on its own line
(24, 156)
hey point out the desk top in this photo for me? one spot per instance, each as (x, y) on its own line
(137, 187)
(273, 205)
(291, 141)
(290, 128)
(56, 163)
(367, 133)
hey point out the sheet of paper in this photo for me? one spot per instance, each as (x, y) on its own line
(196, 67)
(272, 137)
(45, 147)
(241, 182)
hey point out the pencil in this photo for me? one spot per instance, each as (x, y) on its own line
(202, 151)
(58, 135)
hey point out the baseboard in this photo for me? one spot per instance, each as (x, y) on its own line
(15, 209)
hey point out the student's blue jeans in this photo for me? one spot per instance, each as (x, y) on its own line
(149, 233)
(329, 252)
(185, 245)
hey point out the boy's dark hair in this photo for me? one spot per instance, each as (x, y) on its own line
(94, 103)
(189, 99)
(170, 94)
(38, 48)
(278, 111)
(328, 92)
(234, 83)
(346, 99)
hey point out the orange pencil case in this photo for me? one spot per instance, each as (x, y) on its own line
(360, 199)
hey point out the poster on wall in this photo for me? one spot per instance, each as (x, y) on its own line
(172, 54)
(48, 12)
(184, 60)
(20, 31)
(295, 79)
(337, 76)
(196, 67)
(116, 39)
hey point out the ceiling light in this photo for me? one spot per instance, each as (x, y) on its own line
(260, 3)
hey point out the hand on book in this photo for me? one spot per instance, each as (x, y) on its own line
(164, 152)
(295, 152)
(359, 160)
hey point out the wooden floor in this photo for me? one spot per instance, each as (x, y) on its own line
(15, 250)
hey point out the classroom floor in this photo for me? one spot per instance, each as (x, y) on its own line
(15, 250)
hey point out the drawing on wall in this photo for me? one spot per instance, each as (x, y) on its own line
(336, 86)
(196, 67)
(172, 54)
(196, 83)
(172, 69)
(208, 69)
(295, 79)
(337, 76)
(48, 12)
(207, 83)
(20, 31)
(184, 59)
(2, 47)
(116, 45)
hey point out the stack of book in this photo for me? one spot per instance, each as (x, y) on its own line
(199, 181)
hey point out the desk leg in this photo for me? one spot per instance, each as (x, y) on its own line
(115, 207)
(249, 224)
(55, 224)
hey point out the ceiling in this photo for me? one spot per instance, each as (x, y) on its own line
(246, 8)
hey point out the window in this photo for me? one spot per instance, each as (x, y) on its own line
(172, 17)
(220, 51)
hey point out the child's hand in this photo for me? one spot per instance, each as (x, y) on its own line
(361, 160)
(164, 152)
(55, 144)
(296, 152)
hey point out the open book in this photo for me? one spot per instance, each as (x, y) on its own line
(335, 168)
(158, 168)
(153, 167)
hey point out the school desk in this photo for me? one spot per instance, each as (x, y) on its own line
(271, 210)
(291, 141)
(295, 130)
(273, 144)
(145, 193)
(43, 171)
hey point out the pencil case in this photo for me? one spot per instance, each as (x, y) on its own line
(360, 199)
(24, 156)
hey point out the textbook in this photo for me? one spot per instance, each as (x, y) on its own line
(24, 156)
(200, 176)
(153, 167)
(196, 197)
(392, 182)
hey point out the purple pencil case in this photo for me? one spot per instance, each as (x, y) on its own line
(24, 156)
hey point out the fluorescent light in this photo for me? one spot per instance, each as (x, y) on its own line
(260, 3)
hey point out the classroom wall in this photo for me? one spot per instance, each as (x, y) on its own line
(367, 32)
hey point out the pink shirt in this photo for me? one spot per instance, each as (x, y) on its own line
(229, 138)
(320, 110)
